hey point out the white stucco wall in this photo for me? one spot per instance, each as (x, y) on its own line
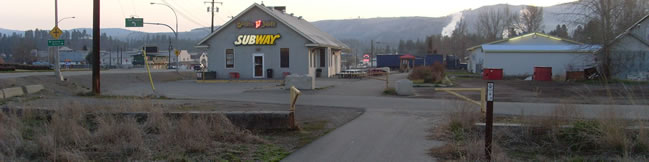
(476, 57)
(517, 64)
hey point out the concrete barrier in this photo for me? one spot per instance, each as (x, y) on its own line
(404, 87)
(299, 81)
(29, 89)
(12, 92)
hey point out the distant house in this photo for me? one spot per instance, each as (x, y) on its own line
(629, 52)
(70, 57)
(518, 56)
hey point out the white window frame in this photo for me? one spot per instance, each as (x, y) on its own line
(225, 58)
(263, 66)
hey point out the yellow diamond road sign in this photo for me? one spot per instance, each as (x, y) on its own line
(56, 32)
(177, 52)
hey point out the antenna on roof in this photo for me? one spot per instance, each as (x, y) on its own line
(262, 3)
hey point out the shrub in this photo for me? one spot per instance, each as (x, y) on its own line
(430, 74)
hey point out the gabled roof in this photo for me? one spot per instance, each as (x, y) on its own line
(526, 35)
(299, 25)
(540, 48)
(628, 32)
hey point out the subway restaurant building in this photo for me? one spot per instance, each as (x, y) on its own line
(262, 39)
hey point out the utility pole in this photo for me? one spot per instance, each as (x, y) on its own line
(95, 48)
(372, 53)
(56, 52)
(213, 10)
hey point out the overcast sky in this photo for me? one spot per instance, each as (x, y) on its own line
(30, 14)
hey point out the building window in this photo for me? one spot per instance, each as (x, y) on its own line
(284, 59)
(229, 58)
(322, 57)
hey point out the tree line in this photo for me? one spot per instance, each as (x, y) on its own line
(18, 47)
(597, 22)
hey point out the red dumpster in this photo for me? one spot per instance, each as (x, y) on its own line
(492, 74)
(234, 75)
(543, 73)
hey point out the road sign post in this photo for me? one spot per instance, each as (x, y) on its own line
(489, 122)
(134, 22)
(56, 43)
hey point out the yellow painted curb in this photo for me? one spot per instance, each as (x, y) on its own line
(238, 81)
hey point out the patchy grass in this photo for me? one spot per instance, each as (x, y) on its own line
(390, 91)
(71, 135)
(564, 135)
(269, 152)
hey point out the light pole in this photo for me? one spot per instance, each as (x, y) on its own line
(66, 18)
(175, 33)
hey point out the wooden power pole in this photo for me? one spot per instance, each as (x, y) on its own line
(95, 48)
(212, 9)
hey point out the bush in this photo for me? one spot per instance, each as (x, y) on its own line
(430, 74)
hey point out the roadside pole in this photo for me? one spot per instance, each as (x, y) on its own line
(489, 122)
(96, 90)
(57, 63)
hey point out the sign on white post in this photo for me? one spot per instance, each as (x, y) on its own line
(490, 91)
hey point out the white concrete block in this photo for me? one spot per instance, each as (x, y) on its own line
(299, 81)
(404, 87)
(29, 89)
(12, 92)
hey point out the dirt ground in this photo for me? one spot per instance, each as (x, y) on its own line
(314, 121)
(590, 92)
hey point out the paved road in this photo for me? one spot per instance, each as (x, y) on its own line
(392, 129)
(75, 73)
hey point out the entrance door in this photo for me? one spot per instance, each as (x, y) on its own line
(258, 65)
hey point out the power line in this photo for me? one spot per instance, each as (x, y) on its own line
(184, 15)
(212, 10)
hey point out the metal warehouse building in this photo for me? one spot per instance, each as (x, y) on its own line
(519, 56)
(262, 39)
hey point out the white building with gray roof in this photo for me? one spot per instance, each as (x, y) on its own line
(262, 39)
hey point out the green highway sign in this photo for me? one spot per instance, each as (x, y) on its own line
(134, 22)
(60, 42)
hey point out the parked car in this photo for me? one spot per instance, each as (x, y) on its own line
(198, 67)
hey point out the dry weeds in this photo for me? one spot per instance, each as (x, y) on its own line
(81, 132)
(564, 135)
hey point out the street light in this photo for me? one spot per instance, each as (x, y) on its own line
(66, 18)
(175, 33)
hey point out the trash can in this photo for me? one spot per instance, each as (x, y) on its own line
(210, 75)
(269, 73)
(318, 72)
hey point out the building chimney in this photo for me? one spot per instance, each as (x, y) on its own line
(280, 8)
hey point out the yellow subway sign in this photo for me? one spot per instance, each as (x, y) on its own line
(259, 39)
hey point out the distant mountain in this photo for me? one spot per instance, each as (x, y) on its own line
(122, 34)
(386, 30)
(9, 31)
(392, 30)
(389, 30)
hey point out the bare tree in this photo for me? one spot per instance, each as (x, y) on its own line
(531, 19)
(606, 13)
(491, 23)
